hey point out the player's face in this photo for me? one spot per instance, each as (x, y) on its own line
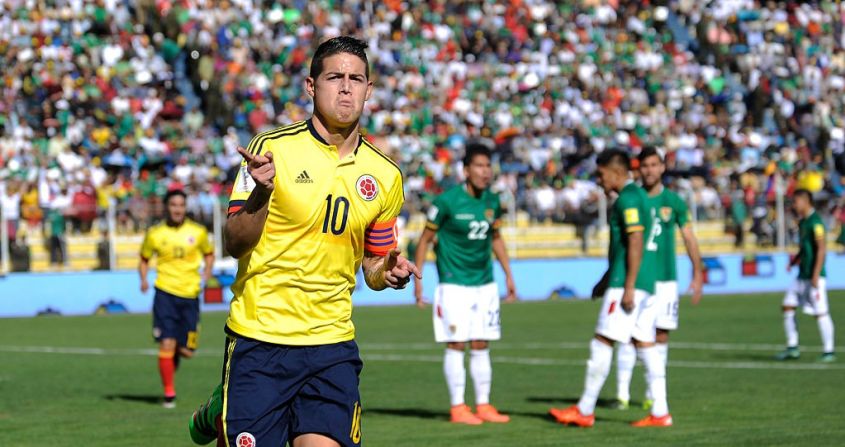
(651, 171)
(176, 209)
(479, 173)
(610, 178)
(800, 205)
(339, 92)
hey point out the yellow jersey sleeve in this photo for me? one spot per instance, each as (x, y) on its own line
(148, 246)
(242, 188)
(381, 236)
(205, 245)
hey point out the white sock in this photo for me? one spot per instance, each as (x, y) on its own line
(790, 326)
(656, 373)
(482, 374)
(626, 359)
(456, 380)
(826, 330)
(663, 349)
(601, 355)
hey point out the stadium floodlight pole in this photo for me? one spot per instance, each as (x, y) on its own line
(111, 218)
(781, 214)
(217, 230)
(4, 242)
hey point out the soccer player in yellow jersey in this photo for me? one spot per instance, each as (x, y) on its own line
(179, 244)
(312, 203)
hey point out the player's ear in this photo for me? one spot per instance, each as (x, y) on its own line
(309, 86)
(369, 90)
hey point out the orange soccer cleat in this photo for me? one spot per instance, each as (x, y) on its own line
(572, 416)
(653, 421)
(461, 414)
(489, 413)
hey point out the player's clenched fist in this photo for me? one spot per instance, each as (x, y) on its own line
(261, 168)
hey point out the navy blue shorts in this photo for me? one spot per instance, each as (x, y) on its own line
(274, 393)
(176, 317)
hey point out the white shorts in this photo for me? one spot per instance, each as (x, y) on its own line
(666, 305)
(618, 325)
(464, 313)
(812, 300)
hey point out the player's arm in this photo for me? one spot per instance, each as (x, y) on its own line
(691, 244)
(144, 263)
(632, 267)
(391, 270)
(207, 250)
(634, 242)
(501, 253)
(143, 270)
(821, 253)
(426, 239)
(382, 265)
(244, 226)
(601, 286)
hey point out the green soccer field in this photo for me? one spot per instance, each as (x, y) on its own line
(93, 381)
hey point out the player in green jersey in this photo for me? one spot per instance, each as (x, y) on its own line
(810, 289)
(465, 221)
(627, 312)
(668, 211)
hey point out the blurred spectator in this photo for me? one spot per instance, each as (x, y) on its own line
(153, 94)
(10, 200)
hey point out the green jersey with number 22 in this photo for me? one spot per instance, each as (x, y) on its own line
(464, 226)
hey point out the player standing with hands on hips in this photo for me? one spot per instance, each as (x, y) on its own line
(312, 203)
(465, 221)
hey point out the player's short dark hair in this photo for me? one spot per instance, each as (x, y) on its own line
(803, 192)
(473, 150)
(173, 193)
(648, 151)
(614, 157)
(337, 45)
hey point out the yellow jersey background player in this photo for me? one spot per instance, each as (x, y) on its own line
(179, 246)
(313, 202)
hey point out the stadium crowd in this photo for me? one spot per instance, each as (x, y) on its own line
(123, 100)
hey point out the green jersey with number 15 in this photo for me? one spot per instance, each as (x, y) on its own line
(464, 226)
(668, 211)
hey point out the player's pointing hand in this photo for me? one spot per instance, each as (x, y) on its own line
(398, 270)
(261, 168)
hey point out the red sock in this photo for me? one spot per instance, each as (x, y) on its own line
(167, 370)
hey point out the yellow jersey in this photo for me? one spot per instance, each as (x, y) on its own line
(295, 287)
(179, 252)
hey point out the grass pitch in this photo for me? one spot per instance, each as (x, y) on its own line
(93, 381)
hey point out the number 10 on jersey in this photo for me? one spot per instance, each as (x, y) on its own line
(333, 210)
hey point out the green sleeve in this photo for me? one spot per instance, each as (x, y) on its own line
(628, 207)
(682, 213)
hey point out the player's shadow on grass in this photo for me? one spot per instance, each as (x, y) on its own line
(742, 356)
(139, 398)
(601, 403)
(418, 413)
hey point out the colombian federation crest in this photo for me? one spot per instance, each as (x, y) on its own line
(666, 213)
(367, 187)
(245, 439)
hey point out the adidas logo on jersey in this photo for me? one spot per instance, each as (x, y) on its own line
(304, 178)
